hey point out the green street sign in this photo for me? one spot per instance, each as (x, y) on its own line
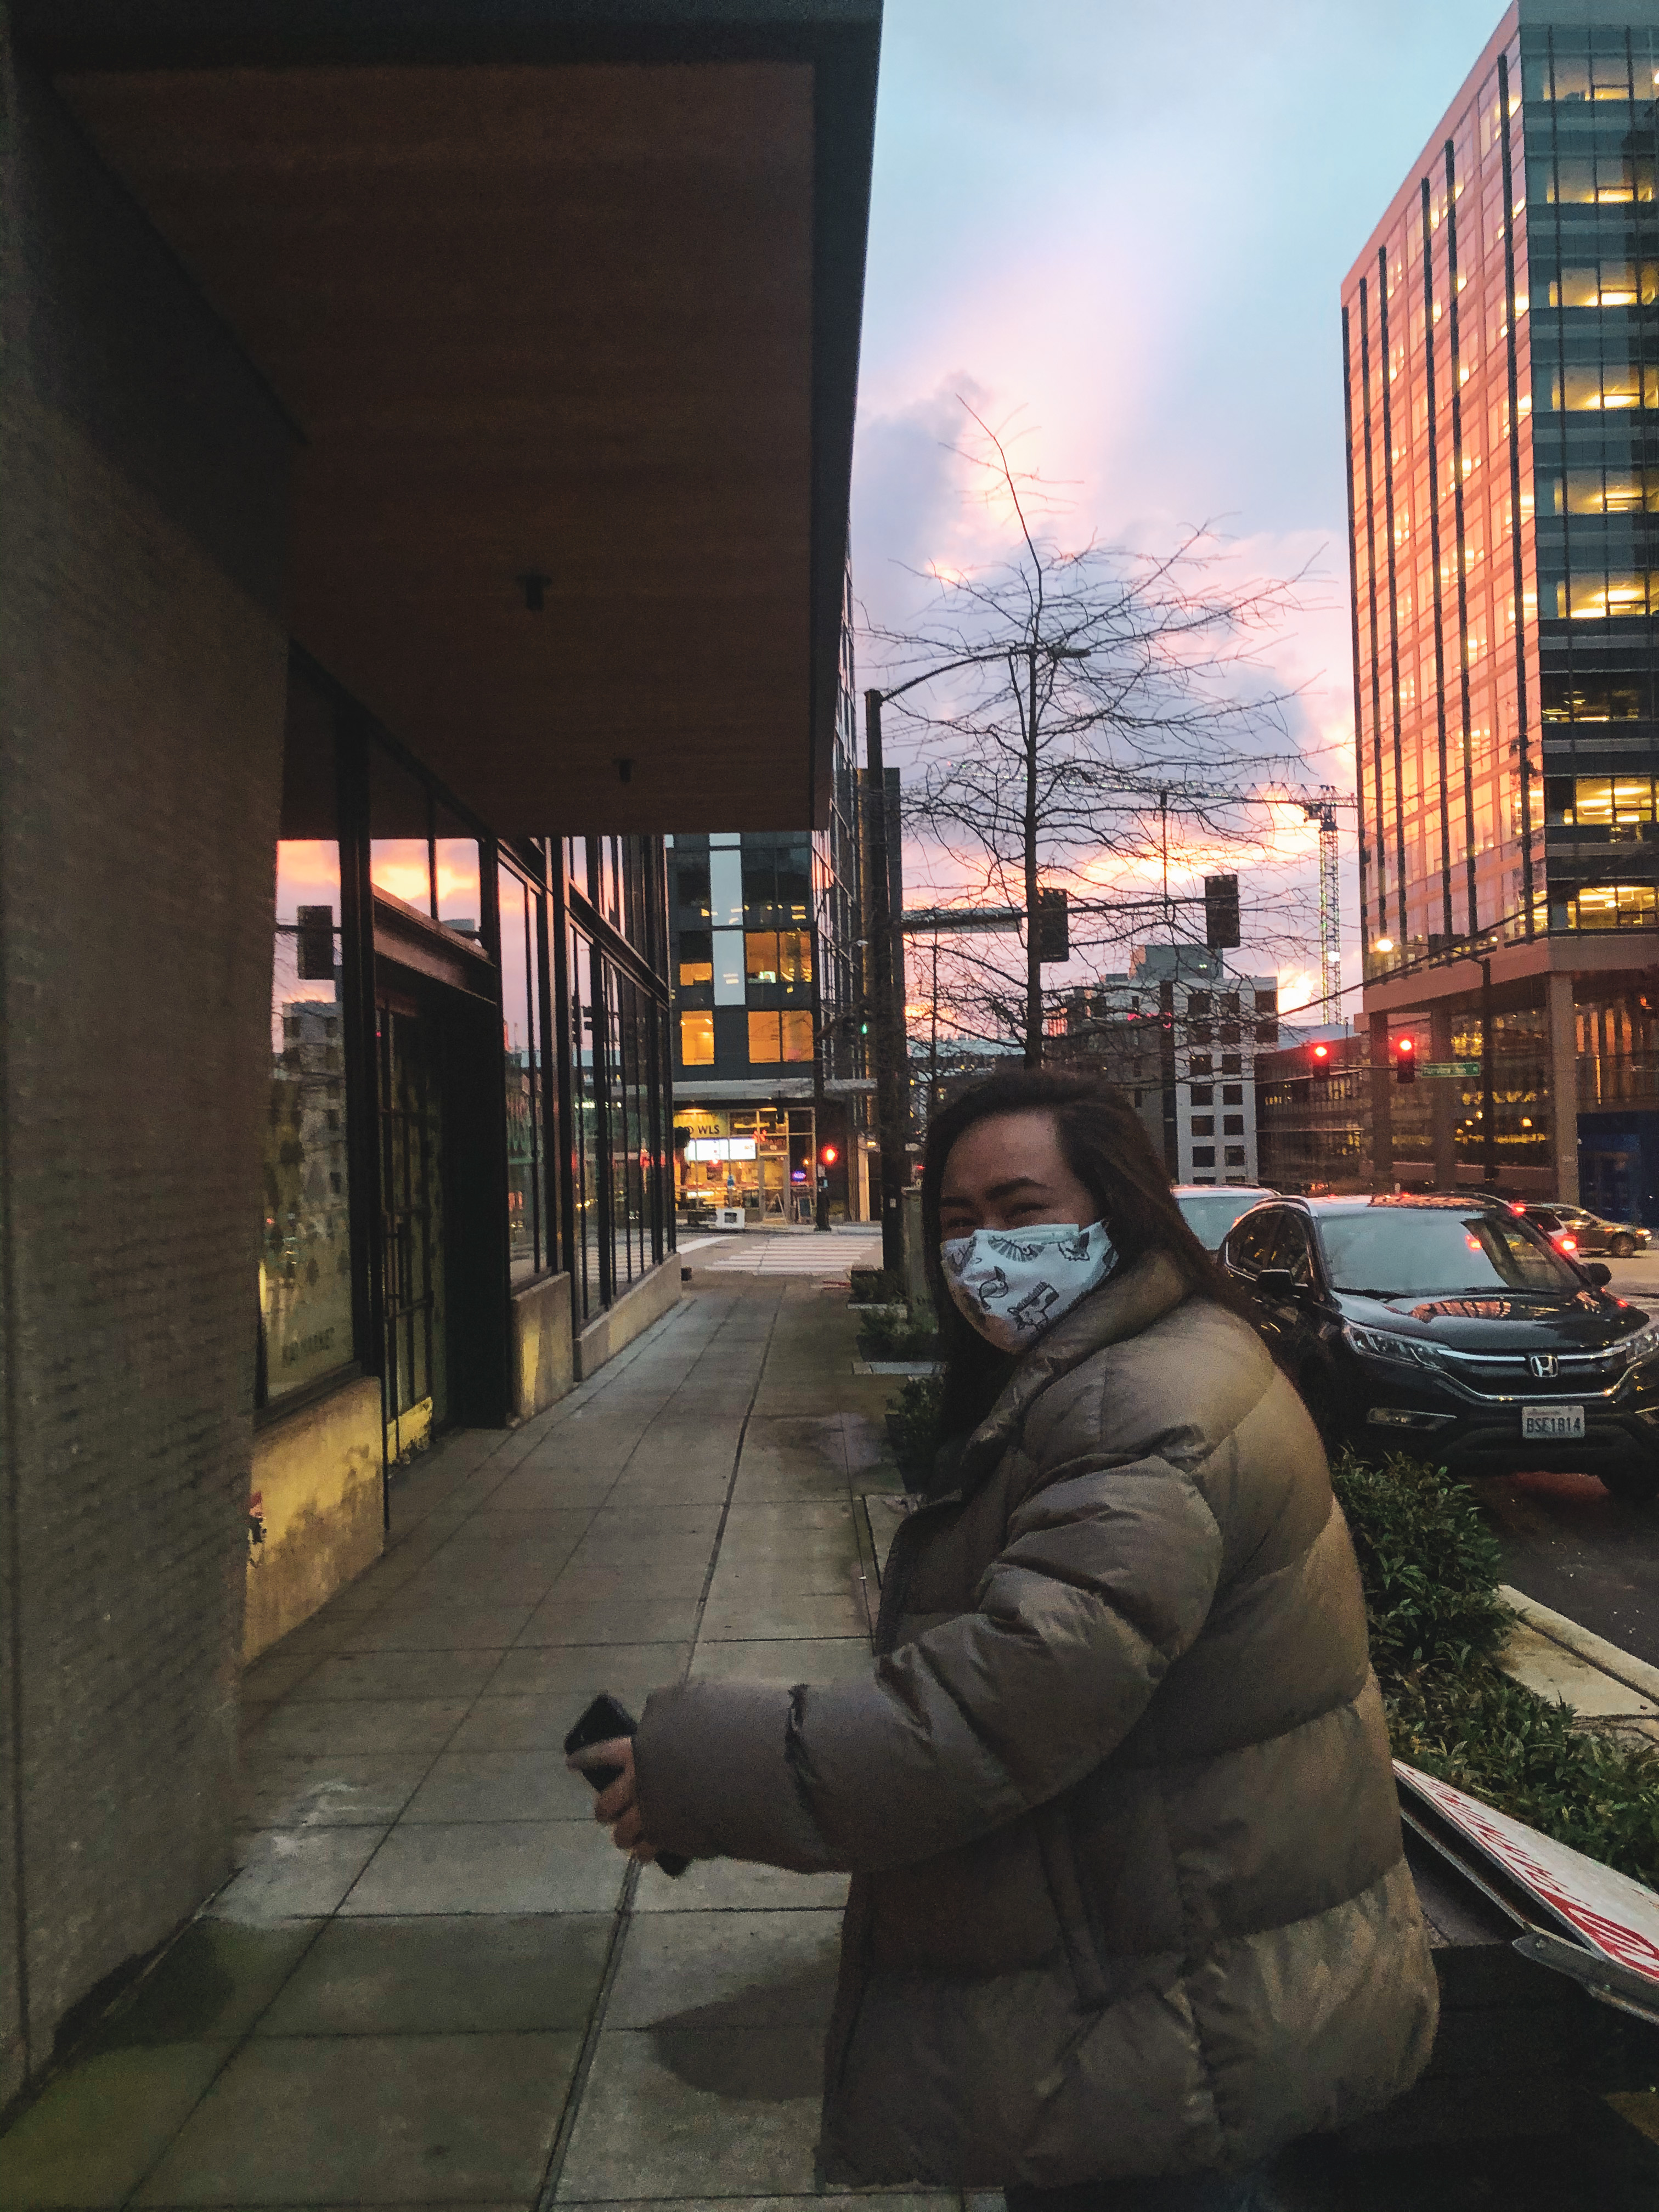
(1459, 1070)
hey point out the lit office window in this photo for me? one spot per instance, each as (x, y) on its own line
(697, 1040)
(1608, 801)
(1613, 906)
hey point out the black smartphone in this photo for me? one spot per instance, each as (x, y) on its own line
(605, 1719)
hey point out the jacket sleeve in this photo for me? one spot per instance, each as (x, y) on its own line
(1106, 1578)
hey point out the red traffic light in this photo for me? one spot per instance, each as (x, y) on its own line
(1321, 1052)
(1406, 1046)
(827, 1155)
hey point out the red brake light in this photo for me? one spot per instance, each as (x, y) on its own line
(1567, 1244)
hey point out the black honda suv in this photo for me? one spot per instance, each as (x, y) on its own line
(1449, 1326)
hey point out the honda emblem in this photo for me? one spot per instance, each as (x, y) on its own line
(1544, 1364)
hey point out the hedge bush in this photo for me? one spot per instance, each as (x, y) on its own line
(899, 1336)
(1430, 1568)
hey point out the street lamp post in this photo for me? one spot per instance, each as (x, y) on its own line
(891, 1058)
(890, 1116)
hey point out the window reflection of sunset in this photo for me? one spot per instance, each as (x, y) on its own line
(399, 865)
(307, 874)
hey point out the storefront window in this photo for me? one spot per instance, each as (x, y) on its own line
(305, 1255)
(521, 1043)
(455, 874)
(586, 1105)
(399, 821)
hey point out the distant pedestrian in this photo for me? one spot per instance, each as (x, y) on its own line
(1130, 1909)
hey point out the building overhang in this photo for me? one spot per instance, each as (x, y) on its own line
(1617, 951)
(557, 289)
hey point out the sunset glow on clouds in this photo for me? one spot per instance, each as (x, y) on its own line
(1123, 233)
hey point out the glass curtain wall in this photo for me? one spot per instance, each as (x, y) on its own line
(1437, 354)
(1502, 354)
(1591, 158)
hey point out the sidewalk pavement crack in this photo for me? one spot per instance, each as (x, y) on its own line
(624, 1917)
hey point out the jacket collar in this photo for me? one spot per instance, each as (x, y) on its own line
(1126, 1303)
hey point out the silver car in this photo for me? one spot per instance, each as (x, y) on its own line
(1210, 1209)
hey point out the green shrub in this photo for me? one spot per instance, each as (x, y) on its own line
(913, 1418)
(1430, 1568)
(877, 1287)
(1491, 1736)
(1429, 1564)
(895, 1336)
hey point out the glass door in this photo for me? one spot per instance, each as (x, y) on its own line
(412, 1227)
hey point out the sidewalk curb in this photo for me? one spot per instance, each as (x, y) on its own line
(1584, 1644)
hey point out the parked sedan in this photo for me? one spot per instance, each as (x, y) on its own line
(1577, 1231)
(1211, 1209)
(1453, 1328)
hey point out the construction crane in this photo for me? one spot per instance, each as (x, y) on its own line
(1318, 806)
(1322, 808)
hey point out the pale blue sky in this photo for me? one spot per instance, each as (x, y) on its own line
(1133, 223)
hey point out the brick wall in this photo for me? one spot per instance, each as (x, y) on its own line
(141, 658)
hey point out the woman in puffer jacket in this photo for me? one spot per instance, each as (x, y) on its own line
(1130, 1909)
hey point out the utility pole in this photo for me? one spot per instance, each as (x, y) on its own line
(933, 1048)
(890, 1117)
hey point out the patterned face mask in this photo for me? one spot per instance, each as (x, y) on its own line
(1012, 1284)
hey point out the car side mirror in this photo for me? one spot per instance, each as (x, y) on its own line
(1276, 1283)
(1598, 1273)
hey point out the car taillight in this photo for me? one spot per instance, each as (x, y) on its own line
(1566, 1244)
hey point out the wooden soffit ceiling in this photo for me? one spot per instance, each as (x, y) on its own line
(551, 321)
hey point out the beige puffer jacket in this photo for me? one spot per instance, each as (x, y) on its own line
(1130, 1896)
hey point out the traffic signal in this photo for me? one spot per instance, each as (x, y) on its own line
(1321, 1052)
(1221, 912)
(827, 1155)
(1054, 925)
(1405, 1061)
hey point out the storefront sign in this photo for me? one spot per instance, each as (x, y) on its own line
(721, 1148)
(1617, 1917)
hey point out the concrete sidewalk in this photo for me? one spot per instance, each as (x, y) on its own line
(433, 1982)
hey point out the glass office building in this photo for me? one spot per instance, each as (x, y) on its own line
(767, 970)
(1501, 348)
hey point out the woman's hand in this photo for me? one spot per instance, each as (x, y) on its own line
(618, 1805)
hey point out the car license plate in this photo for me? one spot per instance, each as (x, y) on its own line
(1551, 1424)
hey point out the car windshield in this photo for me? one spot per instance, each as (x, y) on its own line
(1211, 1213)
(1435, 1252)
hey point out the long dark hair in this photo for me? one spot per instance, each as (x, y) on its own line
(1108, 1149)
